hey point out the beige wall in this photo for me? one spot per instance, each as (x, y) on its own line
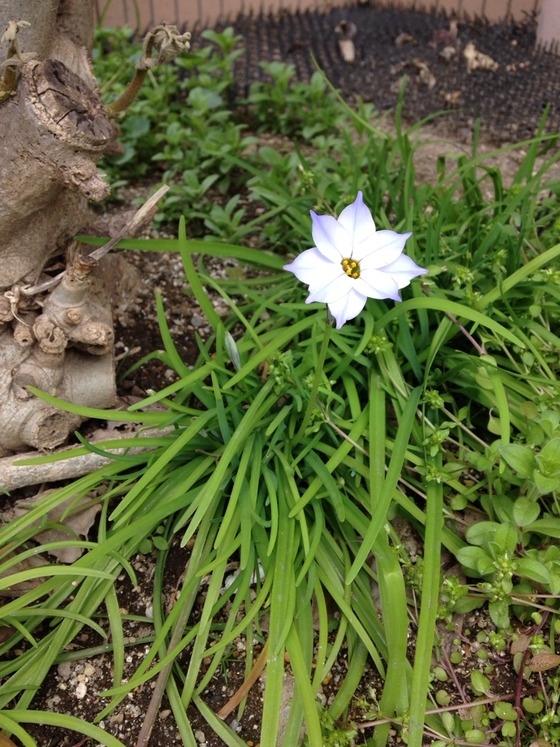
(141, 13)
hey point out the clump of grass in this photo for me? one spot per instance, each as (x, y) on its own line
(441, 406)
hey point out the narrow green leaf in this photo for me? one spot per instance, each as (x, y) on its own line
(428, 610)
(63, 721)
(390, 483)
(457, 309)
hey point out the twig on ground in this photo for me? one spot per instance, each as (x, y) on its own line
(14, 475)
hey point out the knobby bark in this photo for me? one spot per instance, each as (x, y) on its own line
(55, 335)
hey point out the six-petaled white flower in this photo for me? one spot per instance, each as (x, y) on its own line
(352, 262)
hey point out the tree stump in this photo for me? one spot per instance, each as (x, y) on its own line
(56, 335)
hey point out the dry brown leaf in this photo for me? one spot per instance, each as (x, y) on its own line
(451, 98)
(544, 661)
(521, 644)
(478, 60)
(16, 590)
(404, 38)
(76, 523)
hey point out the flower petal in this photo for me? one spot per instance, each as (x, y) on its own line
(347, 307)
(311, 267)
(385, 248)
(378, 284)
(357, 221)
(403, 270)
(331, 290)
(331, 239)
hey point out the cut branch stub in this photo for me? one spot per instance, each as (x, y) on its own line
(69, 108)
(72, 113)
(57, 129)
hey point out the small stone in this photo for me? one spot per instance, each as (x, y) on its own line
(200, 736)
(81, 690)
(64, 670)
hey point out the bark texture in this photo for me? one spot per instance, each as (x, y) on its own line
(56, 335)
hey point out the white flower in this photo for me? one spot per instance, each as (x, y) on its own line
(352, 262)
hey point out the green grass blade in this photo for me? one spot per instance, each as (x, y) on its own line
(63, 721)
(523, 273)
(117, 635)
(428, 610)
(394, 470)
(395, 695)
(457, 309)
(305, 695)
(220, 729)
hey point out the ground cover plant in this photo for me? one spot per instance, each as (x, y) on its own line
(292, 451)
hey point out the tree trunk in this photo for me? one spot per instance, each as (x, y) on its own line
(53, 130)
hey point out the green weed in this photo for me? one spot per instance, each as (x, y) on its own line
(293, 450)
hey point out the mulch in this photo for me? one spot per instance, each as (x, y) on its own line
(391, 42)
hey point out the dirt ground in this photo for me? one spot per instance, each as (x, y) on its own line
(508, 87)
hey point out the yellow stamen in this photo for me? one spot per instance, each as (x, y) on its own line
(351, 268)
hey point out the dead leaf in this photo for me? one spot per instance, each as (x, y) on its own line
(513, 67)
(425, 75)
(347, 50)
(16, 590)
(346, 31)
(451, 98)
(544, 661)
(5, 632)
(448, 53)
(521, 644)
(478, 60)
(72, 522)
(403, 38)
(444, 37)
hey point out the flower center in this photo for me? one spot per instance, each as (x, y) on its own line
(351, 268)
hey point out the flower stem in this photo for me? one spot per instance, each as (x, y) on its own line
(161, 44)
(129, 94)
(312, 401)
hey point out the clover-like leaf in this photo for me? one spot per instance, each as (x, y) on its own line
(520, 458)
(525, 511)
(548, 460)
